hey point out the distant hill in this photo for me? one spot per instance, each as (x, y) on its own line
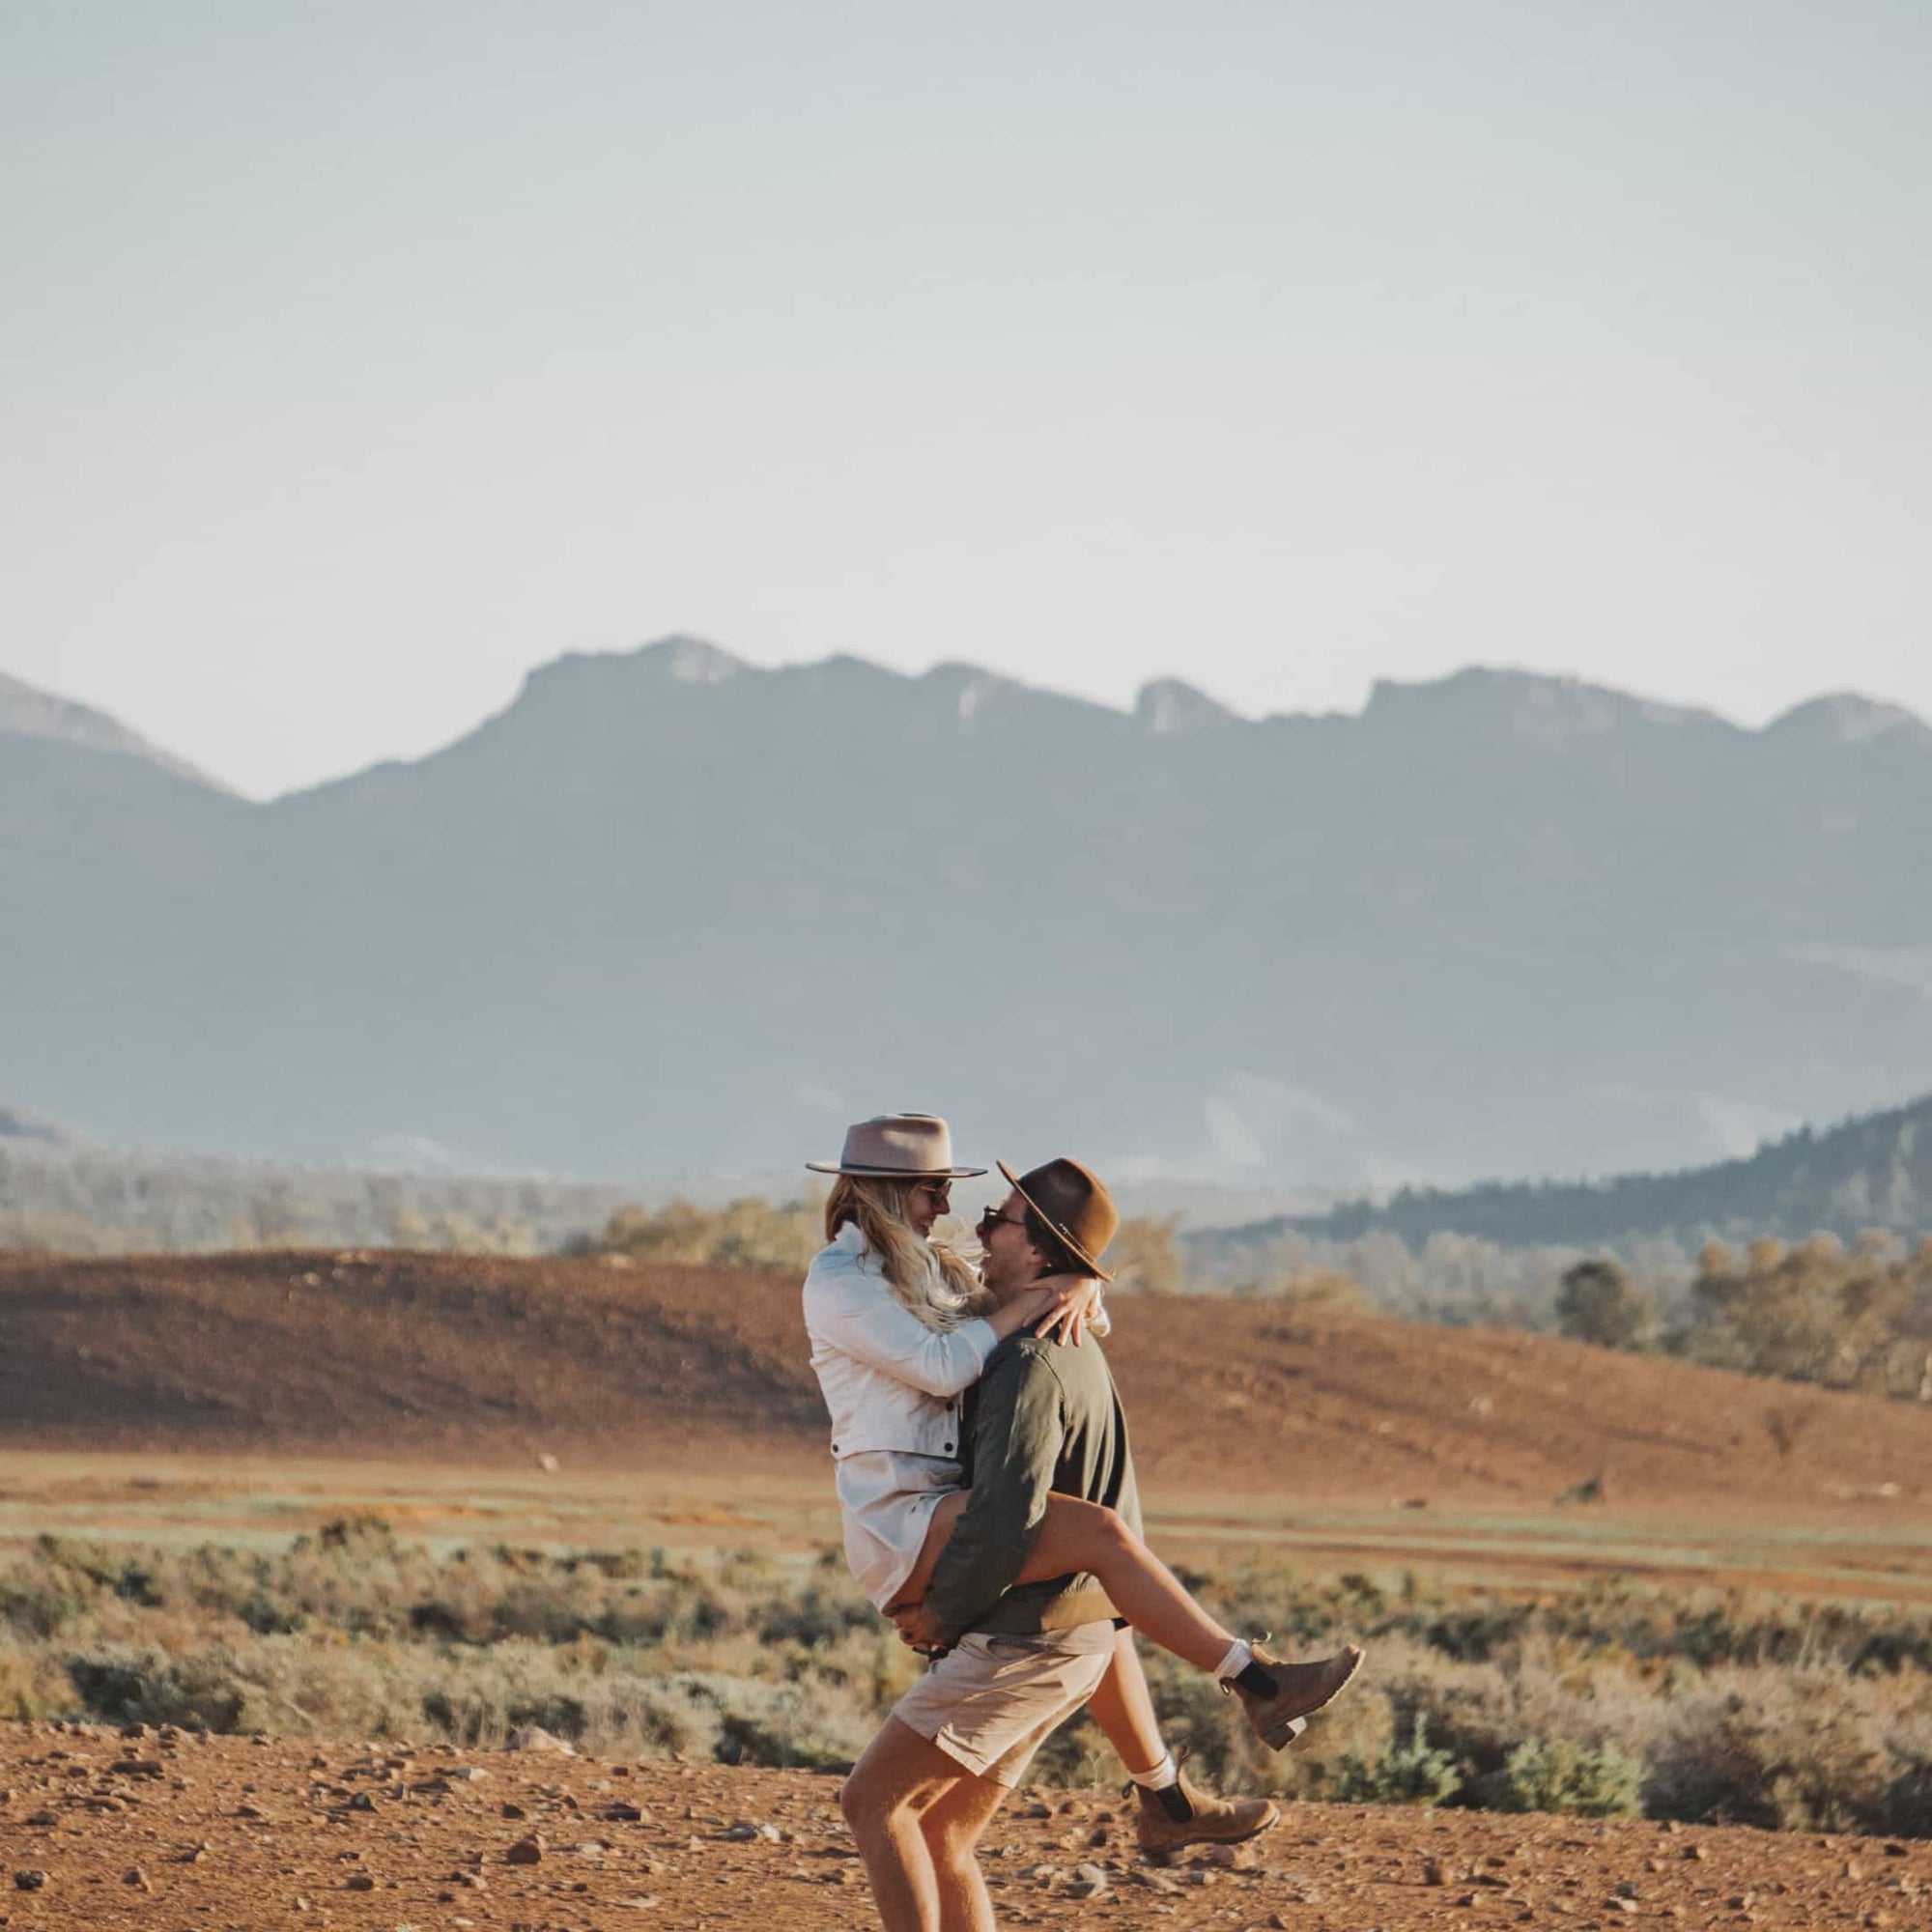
(1871, 1172)
(22, 1127)
(667, 912)
(472, 1359)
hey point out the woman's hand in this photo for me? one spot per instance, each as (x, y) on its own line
(1061, 1305)
(1073, 1301)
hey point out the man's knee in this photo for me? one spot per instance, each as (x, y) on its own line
(947, 1835)
(862, 1800)
(871, 1801)
(954, 1825)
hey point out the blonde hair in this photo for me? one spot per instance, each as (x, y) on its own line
(926, 1278)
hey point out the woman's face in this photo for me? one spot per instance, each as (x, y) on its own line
(925, 1201)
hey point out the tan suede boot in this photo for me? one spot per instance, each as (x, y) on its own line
(1213, 1821)
(1299, 1689)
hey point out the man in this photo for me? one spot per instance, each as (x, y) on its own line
(1043, 1417)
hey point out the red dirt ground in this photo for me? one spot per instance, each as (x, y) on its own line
(449, 1359)
(225, 1832)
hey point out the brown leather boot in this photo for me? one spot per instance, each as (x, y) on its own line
(1211, 1820)
(1299, 1689)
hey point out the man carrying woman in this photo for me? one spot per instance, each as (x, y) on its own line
(989, 1507)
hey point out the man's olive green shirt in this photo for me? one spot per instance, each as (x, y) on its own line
(1044, 1417)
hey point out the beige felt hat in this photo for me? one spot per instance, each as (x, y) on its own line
(898, 1147)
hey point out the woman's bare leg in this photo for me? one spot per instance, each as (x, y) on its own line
(1082, 1536)
(1122, 1707)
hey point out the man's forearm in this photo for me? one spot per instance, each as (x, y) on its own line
(1015, 1449)
(982, 1558)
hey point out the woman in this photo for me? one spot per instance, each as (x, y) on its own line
(899, 1329)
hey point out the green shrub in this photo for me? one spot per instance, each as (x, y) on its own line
(1414, 1773)
(1599, 1782)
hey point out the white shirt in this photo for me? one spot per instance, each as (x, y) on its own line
(890, 1381)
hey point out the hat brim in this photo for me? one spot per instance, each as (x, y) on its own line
(1061, 1235)
(896, 1173)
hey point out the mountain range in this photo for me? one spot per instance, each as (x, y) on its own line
(668, 912)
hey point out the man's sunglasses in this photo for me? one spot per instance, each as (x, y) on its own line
(990, 1220)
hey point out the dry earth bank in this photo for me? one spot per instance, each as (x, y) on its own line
(487, 1361)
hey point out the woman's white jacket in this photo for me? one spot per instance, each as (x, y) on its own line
(890, 1381)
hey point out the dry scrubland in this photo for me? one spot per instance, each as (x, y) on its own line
(1616, 1701)
(1525, 1658)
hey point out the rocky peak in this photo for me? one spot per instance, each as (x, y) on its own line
(1166, 707)
(690, 660)
(1844, 718)
(1529, 705)
(32, 713)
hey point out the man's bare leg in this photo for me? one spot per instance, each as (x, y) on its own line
(1122, 1707)
(951, 1826)
(900, 1777)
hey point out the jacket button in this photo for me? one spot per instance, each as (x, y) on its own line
(948, 1448)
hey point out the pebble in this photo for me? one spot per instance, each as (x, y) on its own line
(1089, 1882)
(533, 1737)
(1231, 1858)
(525, 1850)
(136, 1877)
(30, 1879)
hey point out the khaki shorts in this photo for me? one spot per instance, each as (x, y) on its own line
(990, 1701)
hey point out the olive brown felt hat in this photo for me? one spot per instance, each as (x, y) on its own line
(1074, 1203)
(898, 1147)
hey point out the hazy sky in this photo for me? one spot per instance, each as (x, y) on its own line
(360, 357)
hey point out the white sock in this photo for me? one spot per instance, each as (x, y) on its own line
(1160, 1777)
(1236, 1661)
